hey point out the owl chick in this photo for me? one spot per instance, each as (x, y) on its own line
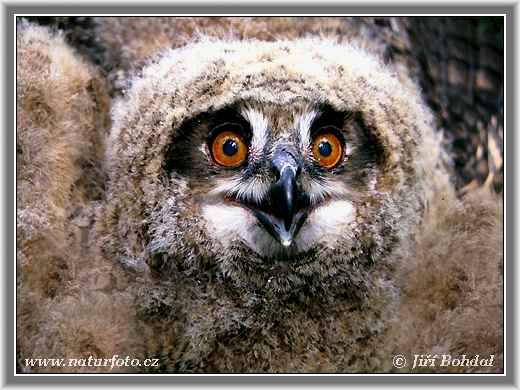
(279, 186)
(278, 207)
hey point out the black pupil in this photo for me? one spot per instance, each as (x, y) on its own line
(325, 148)
(230, 147)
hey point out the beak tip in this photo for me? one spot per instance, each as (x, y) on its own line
(286, 243)
(285, 238)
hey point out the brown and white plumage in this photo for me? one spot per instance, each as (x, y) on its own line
(212, 289)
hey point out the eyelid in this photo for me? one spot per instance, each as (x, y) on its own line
(230, 126)
(223, 126)
(329, 129)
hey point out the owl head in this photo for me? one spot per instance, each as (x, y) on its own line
(273, 166)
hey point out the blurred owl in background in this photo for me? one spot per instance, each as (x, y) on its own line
(267, 195)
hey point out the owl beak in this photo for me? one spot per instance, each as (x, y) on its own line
(283, 196)
(283, 214)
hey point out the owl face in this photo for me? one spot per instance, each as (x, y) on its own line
(277, 180)
(273, 166)
(279, 191)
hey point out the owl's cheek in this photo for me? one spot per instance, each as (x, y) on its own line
(228, 224)
(328, 225)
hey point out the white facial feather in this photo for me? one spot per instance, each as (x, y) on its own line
(259, 126)
(318, 191)
(254, 190)
(325, 225)
(303, 123)
(229, 224)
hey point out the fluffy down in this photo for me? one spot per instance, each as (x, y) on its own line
(452, 289)
(62, 120)
(75, 300)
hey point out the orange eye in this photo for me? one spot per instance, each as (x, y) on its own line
(229, 149)
(327, 149)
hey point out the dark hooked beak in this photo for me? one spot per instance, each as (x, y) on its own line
(283, 213)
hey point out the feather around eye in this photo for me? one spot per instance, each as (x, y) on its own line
(227, 145)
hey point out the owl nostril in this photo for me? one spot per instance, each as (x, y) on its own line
(285, 158)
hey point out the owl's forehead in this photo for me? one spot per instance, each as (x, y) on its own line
(284, 77)
(279, 119)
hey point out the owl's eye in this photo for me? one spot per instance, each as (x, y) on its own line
(327, 149)
(228, 148)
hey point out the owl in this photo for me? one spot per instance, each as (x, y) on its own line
(280, 206)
